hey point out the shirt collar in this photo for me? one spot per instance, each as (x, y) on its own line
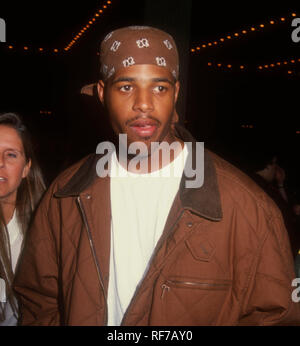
(203, 200)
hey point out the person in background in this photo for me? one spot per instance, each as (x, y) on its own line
(264, 169)
(21, 187)
(272, 178)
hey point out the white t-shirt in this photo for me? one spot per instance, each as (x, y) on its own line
(140, 204)
(16, 239)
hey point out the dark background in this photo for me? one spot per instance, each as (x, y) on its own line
(233, 111)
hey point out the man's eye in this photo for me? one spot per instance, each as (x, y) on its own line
(126, 88)
(160, 89)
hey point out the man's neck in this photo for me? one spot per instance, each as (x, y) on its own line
(157, 159)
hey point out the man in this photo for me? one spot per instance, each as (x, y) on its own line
(133, 247)
(264, 169)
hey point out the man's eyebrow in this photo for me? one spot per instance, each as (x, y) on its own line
(154, 80)
(123, 79)
(163, 80)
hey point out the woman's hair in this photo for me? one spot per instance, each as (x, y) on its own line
(29, 194)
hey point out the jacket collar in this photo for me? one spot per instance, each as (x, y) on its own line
(204, 201)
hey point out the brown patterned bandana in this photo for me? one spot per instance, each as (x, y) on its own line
(135, 45)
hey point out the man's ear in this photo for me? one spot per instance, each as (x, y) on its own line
(100, 89)
(177, 88)
(175, 120)
(175, 117)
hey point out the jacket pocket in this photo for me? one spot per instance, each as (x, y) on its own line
(200, 248)
(199, 284)
(190, 301)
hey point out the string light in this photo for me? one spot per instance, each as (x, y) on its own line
(91, 22)
(225, 66)
(279, 63)
(45, 112)
(247, 126)
(244, 31)
(33, 49)
(266, 67)
(198, 48)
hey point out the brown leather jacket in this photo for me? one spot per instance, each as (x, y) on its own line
(224, 257)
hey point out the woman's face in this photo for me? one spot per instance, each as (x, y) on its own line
(13, 165)
(296, 209)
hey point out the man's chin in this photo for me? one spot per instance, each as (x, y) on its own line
(140, 147)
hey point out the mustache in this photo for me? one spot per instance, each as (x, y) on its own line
(142, 117)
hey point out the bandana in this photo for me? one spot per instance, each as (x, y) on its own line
(135, 45)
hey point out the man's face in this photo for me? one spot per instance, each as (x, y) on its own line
(296, 209)
(140, 100)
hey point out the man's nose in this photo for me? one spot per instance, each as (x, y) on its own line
(143, 101)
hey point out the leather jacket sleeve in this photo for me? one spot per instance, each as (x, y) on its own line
(268, 300)
(36, 281)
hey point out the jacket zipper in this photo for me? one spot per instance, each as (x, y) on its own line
(165, 287)
(94, 254)
(196, 283)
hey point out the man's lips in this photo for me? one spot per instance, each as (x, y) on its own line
(144, 127)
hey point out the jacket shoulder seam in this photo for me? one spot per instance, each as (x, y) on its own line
(262, 203)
